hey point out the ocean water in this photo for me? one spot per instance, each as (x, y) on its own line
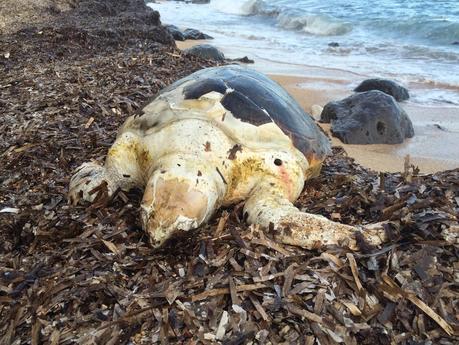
(415, 42)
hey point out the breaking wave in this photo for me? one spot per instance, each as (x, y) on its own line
(315, 19)
(314, 24)
(238, 7)
(320, 25)
(437, 31)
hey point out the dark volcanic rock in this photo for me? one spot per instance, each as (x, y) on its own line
(175, 32)
(206, 51)
(371, 117)
(244, 59)
(387, 86)
(193, 34)
(188, 34)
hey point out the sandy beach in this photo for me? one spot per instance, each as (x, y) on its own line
(434, 147)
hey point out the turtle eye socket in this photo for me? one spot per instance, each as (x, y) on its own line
(278, 162)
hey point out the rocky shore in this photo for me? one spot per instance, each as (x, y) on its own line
(70, 73)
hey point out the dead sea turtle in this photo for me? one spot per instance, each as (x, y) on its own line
(217, 137)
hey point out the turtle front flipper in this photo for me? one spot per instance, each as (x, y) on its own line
(87, 179)
(121, 170)
(269, 208)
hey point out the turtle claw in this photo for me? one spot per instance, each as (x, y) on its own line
(86, 181)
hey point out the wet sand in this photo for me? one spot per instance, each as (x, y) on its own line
(435, 146)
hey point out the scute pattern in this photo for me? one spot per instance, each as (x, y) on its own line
(256, 99)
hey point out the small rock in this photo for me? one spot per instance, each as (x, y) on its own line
(333, 44)
(244, 59)
(193, 34)
(175, 32)
(206, 51)
(387, 86)
(371, 117)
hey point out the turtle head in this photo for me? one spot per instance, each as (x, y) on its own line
(176, 199)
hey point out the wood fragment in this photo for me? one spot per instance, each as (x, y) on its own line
(272, 245)
(268, 277)
(221, 224)
(259, 308)
(234, 297)
(304, 313)
(236, 266)
(225, 291)
(111, 246)
(352, 307)
(332, 258)
(355, 271)
(54, 338)
(89, 123)
(429, 311)
(289, 274)
(319, 302)
(420, 304)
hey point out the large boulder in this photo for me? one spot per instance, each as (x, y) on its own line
(371, 117)
(390, 87)
(206, 51)
(193, 34)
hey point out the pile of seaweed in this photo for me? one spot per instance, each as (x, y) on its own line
(88, 275)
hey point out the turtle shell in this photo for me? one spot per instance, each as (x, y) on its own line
(254, 98)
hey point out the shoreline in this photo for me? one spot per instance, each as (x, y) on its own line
(432, 149)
